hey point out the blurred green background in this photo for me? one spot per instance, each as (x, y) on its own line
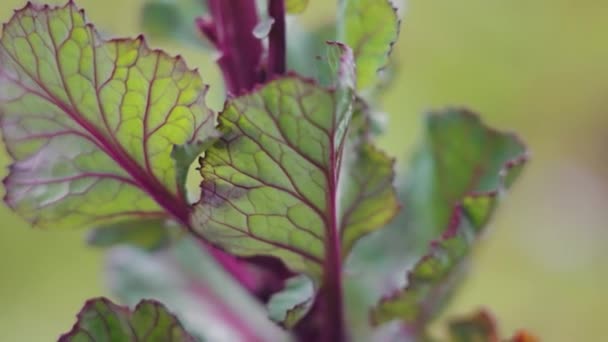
(535, 67)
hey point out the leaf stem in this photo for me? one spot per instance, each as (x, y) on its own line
(277, 44)
(230, 29)
(181, 212)
(333, 327)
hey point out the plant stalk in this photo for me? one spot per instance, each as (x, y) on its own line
(277, 44)
(230, 28)
(333, 324)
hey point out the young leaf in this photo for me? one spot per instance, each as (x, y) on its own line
(208, 303)
(370, 28)
(453, 187)
(271, 183)
(102, 320)
(90, 123)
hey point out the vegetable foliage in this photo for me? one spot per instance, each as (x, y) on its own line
(295, 196)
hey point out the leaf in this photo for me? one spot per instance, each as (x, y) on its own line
(149, 235)
(460, 156)
(453, 189)
(435, 275)
(293, 302)
(369, 28)
(206, 300)
(174, 20)
(90, 123)
(102, 320)
(272, 185)
(369, 200)
(295, 6)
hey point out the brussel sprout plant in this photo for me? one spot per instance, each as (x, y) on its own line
(276, 218)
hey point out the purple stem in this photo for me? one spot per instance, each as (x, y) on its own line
(277, 44)
(208, 296)
(181, 212)
(325, 321)
(234, 267)
(230, 29)
(230, 316)
(333, 328)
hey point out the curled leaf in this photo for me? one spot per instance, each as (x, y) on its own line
(454, 186)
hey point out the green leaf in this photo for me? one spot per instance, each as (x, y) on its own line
(174, 20)
(368, 201)
(452, 191)
(293, 302)
(295, 6)
(149, 235)
(369, 28)
(91, 123)
(271, 184)
(102, 320)
(205, 299)
(436, 275)
(460, 156)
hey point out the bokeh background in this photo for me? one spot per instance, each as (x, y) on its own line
(539, 68)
